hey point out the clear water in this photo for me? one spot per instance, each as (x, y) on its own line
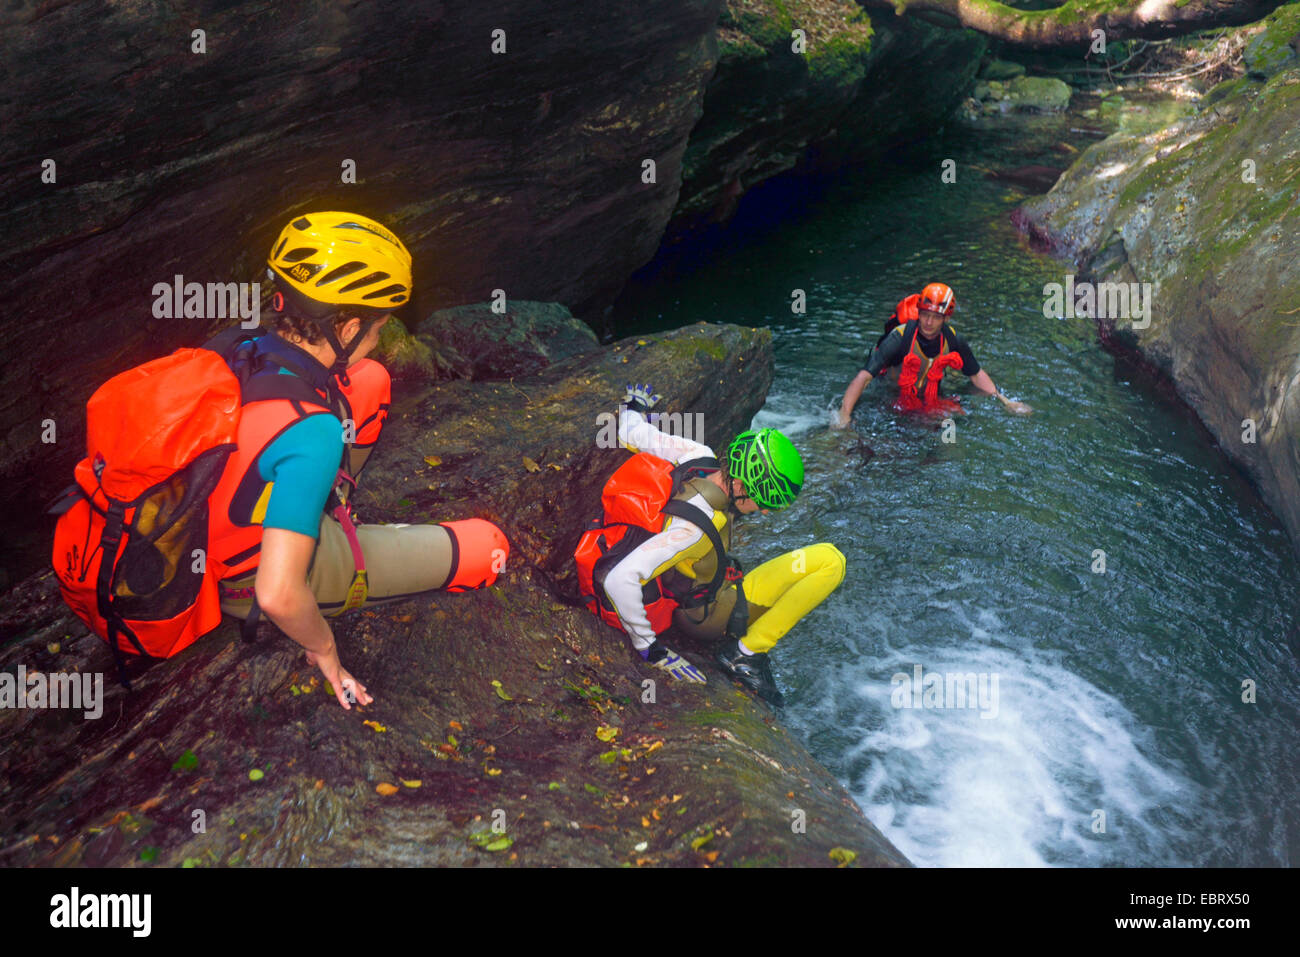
(1119, 692)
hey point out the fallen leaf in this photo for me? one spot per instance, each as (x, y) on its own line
(843, 855)
(188, 761)
(645, 822)
(609, 757)
(493, 772)
(432, 460)
(531, 465)
(552, 465)
(411, 784)
(501, 693)
(711, 856)
(386, 789)
(606, 733)
(374, 724)
(553, 786)
(256, 774)
(53, 646)
(500, 844)
(455, 726)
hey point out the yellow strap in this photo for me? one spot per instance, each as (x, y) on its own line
(357, 591)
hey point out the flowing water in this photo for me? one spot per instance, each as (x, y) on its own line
(1106, 724)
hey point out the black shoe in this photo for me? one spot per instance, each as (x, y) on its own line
(753, 671)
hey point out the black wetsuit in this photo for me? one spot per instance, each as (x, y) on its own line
(893, 347)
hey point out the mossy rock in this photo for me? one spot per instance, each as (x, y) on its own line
(403, 355)
(1275, 48)
(473, 342)
(1002, 70)
(1040, 94)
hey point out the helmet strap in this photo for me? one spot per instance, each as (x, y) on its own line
(341, 352)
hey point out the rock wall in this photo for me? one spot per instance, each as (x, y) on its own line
(520, 170)
(502, 707)
(1206, 211)
(861, 87)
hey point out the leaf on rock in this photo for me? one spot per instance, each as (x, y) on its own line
(606, 733)
(186, 762)
(531, 465)
(432, 460)
(843, 856)
(386, 789)
(699, 842)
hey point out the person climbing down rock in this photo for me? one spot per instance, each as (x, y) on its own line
(281, 518)
(217, 480)
(672, 567)
(919, 340)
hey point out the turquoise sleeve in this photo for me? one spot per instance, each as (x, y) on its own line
(303, 463)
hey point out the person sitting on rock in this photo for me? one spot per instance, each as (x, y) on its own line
(287, 553)
(762, 471)
(919, 340)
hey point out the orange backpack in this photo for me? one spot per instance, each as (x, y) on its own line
(131, 543)
(635, 500)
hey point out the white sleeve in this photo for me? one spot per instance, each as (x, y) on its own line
(648, 561)
(635, 433)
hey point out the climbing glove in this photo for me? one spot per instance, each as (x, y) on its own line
(665, 659)
(640, 398)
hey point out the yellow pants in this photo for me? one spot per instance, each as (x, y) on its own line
(780, 592)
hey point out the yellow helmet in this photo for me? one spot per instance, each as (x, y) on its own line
(330, 262)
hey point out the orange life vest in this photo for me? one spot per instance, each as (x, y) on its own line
(920, 375)
(238, 504)
(636, 499)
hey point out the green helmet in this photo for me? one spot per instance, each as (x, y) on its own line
(769, 465)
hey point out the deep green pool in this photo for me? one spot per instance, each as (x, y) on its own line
(1118, 692)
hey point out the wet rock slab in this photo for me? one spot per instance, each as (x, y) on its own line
(508, 728)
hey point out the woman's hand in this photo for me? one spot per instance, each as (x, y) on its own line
(281, 588)
(346, 688)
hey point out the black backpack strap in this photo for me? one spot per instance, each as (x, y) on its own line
(687, 512)
(108, 543)
(248, 627)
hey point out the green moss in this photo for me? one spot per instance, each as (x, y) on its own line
(694, 348)
(1271, 50)
(842, 58)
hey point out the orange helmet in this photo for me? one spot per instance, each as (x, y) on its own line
(937, 298)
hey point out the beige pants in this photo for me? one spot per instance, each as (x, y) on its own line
(401, 560)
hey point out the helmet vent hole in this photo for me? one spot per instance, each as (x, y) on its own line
(374, 277)
(302, 223)
(347, 269)
(386, 291)
(299, 254)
